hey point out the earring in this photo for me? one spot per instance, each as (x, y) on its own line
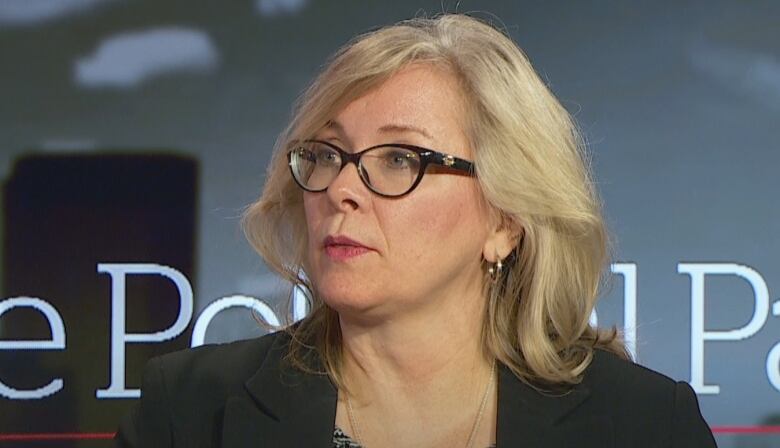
(495, 270)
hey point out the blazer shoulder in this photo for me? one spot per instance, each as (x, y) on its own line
(215, 367)
(646, 402)
(623, 384)
(183, 392)
(610, 370)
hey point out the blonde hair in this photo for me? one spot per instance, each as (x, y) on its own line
(530, 165)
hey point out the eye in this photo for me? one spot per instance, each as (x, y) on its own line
(326, 156)
(305, 154)
(400, 159)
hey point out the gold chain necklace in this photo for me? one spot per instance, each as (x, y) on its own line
(469, 443)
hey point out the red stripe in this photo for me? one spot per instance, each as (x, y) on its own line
(746, 429)
(31, 437)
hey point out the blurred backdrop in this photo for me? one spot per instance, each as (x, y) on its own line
(133, 133)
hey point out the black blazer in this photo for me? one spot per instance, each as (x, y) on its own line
(235, 395)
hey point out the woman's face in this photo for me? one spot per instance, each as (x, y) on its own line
(420, 250)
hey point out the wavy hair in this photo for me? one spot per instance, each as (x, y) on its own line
(531, 167)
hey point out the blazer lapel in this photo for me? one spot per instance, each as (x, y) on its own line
(283, 407)
(530, 419)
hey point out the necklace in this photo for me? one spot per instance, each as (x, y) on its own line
(469, 443)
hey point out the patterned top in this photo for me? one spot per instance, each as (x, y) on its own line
(341, 440)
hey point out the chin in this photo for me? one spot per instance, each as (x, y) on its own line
(340, 299)
(350, 300)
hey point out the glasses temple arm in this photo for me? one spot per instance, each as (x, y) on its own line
(453, 162)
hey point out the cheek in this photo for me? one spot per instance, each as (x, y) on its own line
(438, 219)
(312, 210)
(432, 227)
(313, 218)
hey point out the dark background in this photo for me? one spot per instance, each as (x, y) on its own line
(679, 101)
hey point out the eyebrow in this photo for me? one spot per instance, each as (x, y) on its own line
(386, 129)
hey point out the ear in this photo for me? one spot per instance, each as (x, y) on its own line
(502, 239)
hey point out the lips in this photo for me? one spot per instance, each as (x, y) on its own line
(340, 248)
(342, 241)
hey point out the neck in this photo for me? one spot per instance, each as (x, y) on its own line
(417, 355)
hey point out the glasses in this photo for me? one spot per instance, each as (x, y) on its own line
(389, 170)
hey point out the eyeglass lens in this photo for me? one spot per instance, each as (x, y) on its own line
(388, 170)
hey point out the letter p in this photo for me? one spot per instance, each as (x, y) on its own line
(119, 335)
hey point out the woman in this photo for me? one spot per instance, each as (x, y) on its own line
(431, 196)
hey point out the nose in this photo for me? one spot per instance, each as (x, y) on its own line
(347, 191)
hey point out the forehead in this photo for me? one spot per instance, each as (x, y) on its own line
(421, 103)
